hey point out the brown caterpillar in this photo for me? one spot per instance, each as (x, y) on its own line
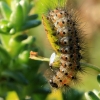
(64, 33)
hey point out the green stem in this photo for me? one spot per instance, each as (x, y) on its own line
(91, 66)
(40, 58)
(82, 64)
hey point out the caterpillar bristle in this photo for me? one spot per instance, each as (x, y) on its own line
(77, 80)
(64, 33)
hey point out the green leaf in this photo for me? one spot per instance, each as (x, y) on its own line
(3, 26)
(72, 94)
(4, 55)
(12, 31)
(29, 40)
(17, 76)
(4, 21)
(24, 56)
(14, 45)
(12, 95)
(32, 17)
(5, 40)
(31, 24)
(21, 37)
(91, 96)
(25, 6)
(98, 78)
(5, 10)
(13, 3)
(16, 17)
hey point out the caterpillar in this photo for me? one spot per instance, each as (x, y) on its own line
(64, 34)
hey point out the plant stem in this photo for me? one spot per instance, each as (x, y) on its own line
(33, 55)
(91, 66)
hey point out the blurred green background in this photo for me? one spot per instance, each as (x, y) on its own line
(21, 31)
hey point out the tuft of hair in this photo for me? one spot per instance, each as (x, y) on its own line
(65, 35)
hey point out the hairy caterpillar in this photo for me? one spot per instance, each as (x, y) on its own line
(64, 35)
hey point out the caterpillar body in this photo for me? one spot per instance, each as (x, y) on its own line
(63, 33)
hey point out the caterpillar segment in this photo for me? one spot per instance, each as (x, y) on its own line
(64, 38)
